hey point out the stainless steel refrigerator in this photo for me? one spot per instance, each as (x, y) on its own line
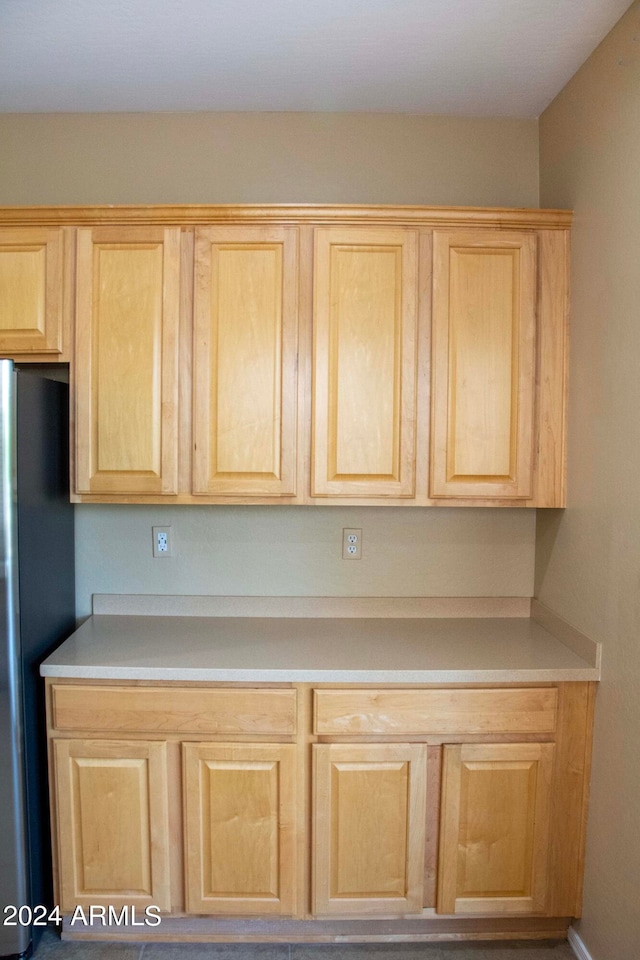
(37, 601)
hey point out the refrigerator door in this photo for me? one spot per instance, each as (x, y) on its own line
(14, 876)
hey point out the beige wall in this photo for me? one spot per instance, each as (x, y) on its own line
(298, 551)
(588, 559)
(66, 159)
(270, 157)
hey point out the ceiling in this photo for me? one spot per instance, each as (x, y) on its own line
(455, 57)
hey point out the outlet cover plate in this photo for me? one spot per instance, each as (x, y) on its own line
(351, 543)
(162, 545)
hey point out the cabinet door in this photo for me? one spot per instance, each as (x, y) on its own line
(31, 290)
(364, 362)
(113, 827)
(245, 350)
(494, 828)
(126, 368)
(369, 828)
(483, 371)
(240, 828)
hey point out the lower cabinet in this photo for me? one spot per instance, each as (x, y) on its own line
(483, 821)
(240, 828)
(369, 828)
(494, 830)
(111, 800)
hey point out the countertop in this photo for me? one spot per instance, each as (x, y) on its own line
(317, 650)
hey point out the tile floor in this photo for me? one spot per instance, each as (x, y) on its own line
(52, 948)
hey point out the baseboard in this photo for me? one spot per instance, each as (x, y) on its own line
(425, 928)
(577, 945)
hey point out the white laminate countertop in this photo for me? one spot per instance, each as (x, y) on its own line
(316, 650)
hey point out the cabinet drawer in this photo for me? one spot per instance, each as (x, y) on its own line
(415, 712)
(181, 710)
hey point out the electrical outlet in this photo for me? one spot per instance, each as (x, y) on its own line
(162, 541)
(351, 544)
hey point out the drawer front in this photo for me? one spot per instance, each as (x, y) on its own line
(181, 710)
(416, 712)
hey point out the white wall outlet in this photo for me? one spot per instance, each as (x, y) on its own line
(162, 541)
(351, 543)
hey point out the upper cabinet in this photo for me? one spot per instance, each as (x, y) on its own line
(364, 362)
(483, 373)
(33, 314)
(126, 362)
(308, 355)
(245, 359)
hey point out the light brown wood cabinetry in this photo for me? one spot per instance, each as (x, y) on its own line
(240, 828)
(317, 806)
(119, 813)
(309, 355)
(364, 362)
(483, 375)
(34, 314)
(215, 711)
(494, 839)
(111, 802)
(369, 828)
(384, 712)
(245, 358)
(126, 362)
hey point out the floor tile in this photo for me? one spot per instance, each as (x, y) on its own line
(509, 950)
(215, 951)
(367, 951)
(51, 947)
(482, 950)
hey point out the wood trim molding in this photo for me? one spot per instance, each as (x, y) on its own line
(425, 929)
(183, 215)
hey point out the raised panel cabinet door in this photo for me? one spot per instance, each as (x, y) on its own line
(31, 290)
(494, 828)
(483, 364)
(240, 828)
(369, 828)
(126, 369)
(113, 827)
(364, 362)
(245, 360)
